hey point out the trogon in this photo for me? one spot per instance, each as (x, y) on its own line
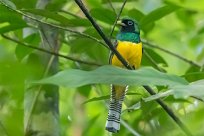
(129, 45)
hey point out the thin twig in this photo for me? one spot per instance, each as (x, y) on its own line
(171, 53)
(129, 128)
(111, 5)
(117, 18)
(123, 61)
(98, 29)
(170, 112)
(153, 61)
(54, 25)
(48, 66)
(69, 13)
(50, 52)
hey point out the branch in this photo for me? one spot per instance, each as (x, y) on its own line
(70, 13)
(129, 128)
(153, 61)
(98, 29)
(171, 53)
(54, 25)
(111, 5)
(123, 61)
(118, 16)
(50, 52)
(170, 112)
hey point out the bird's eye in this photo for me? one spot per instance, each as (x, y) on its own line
(130, 23)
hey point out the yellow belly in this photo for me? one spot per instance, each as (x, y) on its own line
(131, 52)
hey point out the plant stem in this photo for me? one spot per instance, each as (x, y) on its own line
(117, 18)
(171, 53)
(50, 52)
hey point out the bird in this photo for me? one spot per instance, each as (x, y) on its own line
(129, 45)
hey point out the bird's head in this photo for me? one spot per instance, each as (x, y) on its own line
(128, 25)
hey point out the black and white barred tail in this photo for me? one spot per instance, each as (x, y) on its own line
(115, 107)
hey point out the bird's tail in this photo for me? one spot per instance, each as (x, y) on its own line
(116, 99)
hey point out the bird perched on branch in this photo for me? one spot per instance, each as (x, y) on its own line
(130, 47)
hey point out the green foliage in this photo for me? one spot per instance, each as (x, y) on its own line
(84, 89)
(113, 75)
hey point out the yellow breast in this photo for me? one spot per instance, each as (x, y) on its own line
(131, 52)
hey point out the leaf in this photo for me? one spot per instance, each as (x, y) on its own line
(134, 107)
(182, 91)
(104, 15)
(22, 51)
(157, 58)
(193, 89)
(25, 4)
(157, 96)
(9, 3)
(11, 27)
(84, 90)
(112, 75)
(157, 14)
(59, 18)
(104, 98)
(136, 14)
(97, 99)
(106, 1)
(194, 76)
(90, 48)
(7, 15)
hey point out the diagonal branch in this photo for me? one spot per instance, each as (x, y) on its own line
(152, 61)
(117, 18)
(171, 53)
(111, 5)
(123, 61)
(50, 52)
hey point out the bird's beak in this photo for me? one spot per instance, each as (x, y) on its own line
(119, 22)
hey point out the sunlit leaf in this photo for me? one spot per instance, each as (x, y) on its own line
(157, 14)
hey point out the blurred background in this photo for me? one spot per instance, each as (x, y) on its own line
(176, 26)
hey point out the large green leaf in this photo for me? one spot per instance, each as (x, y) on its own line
(113, 75)
(104, 15)
(157, 14)
(136, 14)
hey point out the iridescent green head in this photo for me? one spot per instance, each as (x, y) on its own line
(129, 30)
